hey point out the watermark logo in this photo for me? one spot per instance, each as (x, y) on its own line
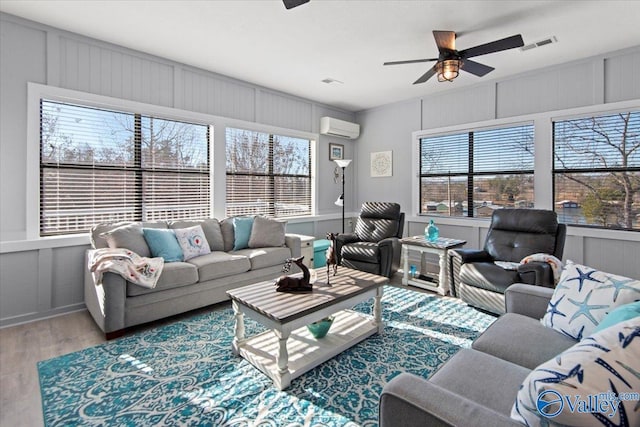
(546, 401)
(550, 403)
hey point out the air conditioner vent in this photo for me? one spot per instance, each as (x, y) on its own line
(548, 40)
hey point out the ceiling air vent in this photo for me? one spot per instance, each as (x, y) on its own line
(540, 43)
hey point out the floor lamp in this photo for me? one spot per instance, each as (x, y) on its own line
(340, 202)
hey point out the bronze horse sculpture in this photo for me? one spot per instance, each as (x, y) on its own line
(332, 258)
(294, 284)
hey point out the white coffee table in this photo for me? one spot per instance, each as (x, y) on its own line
(288, 349)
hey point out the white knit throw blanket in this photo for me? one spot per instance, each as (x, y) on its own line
(131, 266)
(555, 263)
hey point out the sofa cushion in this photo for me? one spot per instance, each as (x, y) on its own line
(174, 275)
(619, 314)
(220, 264)
(584, 296)
(604, 365)
(242, 232)
(265, 257)
(361, 251)
(487, 275)
(266, 233)
(102, 235)
(163, 243)
(226, 227)
(211, 228)
(462, 375)
(192, 241)
(516, 338)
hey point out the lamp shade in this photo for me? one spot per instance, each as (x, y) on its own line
(343, 163)
(340, 200)
(448, 70)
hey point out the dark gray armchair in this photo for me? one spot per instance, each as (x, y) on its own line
(513, 235)
(374, 246)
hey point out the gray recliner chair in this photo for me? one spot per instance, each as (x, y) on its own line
(374, 246)
(513, 235)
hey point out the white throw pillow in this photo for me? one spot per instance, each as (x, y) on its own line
(593, 383)
(192, 241)
(584, 296)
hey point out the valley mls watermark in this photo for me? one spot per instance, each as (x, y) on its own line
(551, 403)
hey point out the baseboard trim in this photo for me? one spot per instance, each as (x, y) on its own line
(34, 317)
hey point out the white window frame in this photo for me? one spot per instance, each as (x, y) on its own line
(36, 92)
(543, 162)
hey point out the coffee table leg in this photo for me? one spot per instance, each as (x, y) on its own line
(377, 310)
(282, 360)
(443, 277)
(405, 266)
(238, 330)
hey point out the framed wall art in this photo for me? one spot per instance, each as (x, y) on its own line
(336, 151)
(382, 164)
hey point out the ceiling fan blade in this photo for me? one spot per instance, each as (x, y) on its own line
(495, 46)
(445, 39)
(289, 4)
(411, 61)
(476, 68)
(426, 76)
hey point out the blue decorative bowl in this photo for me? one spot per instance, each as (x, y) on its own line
(320, 328)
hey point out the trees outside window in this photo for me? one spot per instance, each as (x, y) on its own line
(98, 165)
(267, 174)
(597, 170)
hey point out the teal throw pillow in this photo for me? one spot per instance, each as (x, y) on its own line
(242, 230)
(620, 314)
(163, 243)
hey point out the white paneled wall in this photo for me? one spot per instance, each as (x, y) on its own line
(39, 278)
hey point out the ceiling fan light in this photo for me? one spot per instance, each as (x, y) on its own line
(448, 69)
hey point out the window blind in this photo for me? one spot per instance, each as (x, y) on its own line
(475, 172)
(267, 174)
(100, 165)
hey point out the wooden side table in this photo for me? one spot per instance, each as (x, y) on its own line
(441, 248)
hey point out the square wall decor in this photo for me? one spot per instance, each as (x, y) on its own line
(382, 164)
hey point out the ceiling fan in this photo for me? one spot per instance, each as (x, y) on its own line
(289, 4)
(450, 60)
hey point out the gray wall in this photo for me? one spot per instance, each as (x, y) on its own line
(591, 82)
(41, 278)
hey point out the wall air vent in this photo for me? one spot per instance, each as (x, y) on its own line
(548, 40)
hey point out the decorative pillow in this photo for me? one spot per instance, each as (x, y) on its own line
(620, 314)
(593, 383)
(266, 233)
(163, 243)
(242, 232)
(210, 227)
(192, 241)
(226, 227)
(584, 296)
(128, 236)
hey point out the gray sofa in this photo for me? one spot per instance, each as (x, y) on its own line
(478, 386)
(204, 280)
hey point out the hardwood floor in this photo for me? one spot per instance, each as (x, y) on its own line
(22, 346)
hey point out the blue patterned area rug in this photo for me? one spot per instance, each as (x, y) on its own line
(184, 374)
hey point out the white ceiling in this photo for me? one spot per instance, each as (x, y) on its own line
(261, 42)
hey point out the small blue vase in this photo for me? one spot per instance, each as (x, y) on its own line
(320, 328)
(431, 232)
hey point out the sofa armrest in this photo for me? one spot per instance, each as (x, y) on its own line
(471, 255)
(528, 300)
(409, 400)
(106, 302)
(536, 273)
(293, 242)
(390, 249)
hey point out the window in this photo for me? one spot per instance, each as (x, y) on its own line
(267, 174)
(473, 173)
(98, 165)
(597, 170)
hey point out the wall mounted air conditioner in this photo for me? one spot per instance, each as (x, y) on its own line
(340, 128)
